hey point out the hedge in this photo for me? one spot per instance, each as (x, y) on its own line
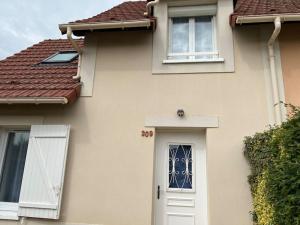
(274, 158)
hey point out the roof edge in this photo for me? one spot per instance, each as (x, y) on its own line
(35, 100)
(145, 23)
(250, 19)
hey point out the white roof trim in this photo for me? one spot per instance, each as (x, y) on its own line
(106, 25)
(267, 18)
(36, 100)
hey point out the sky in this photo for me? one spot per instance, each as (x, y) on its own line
(26, 22)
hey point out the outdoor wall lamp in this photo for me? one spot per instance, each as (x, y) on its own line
(180, 113)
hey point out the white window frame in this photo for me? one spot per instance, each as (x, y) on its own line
(192, 37)
(8, 210)
(46, 61)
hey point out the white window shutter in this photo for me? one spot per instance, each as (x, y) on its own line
(44, 170)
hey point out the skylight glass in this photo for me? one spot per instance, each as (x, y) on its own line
(61, 57)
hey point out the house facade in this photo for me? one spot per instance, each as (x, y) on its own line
(148, 129)
(289, 46)
(283, 18)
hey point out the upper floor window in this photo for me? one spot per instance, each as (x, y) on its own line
(192, 34)
(192, 38)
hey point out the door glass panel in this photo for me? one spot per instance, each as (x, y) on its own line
(13, 166)
(180, 167)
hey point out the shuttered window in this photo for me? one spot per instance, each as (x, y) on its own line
(39, 192)
(13, 166)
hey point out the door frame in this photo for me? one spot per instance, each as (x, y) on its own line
(201, 132)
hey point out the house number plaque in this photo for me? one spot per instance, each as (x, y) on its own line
(147, 133)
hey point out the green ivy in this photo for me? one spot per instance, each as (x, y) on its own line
(274, 158)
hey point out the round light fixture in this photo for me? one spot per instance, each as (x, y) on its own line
(180, 113)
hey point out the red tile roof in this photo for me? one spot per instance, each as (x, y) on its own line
(23, 76)
(264, 7)
(124, 11)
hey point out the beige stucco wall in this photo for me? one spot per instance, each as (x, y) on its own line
(290, 48)
(110, 166)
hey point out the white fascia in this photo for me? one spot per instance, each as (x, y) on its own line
(105, 25)
(267, 19)
(37, 100)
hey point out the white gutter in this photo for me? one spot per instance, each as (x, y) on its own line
(105, 25)
(267, 19)
(275, 90)
(78, 49)
(36, 100)
(149, 7)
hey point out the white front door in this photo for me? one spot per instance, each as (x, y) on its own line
(180, 179)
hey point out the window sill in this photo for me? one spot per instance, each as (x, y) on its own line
(182, 61)
(9, 211)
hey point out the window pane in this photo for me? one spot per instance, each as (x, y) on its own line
(180, 35)
(204, 35)
(62, 57)
(13, 166)
(180, 167)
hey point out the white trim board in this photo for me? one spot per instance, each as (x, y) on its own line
(186, 122)
(8, 211)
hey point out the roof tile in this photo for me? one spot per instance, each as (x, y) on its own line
(22, 75)
(264, 7)
(125, 11)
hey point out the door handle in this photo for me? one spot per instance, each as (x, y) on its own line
(158, 192)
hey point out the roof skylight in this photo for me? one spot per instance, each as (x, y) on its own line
(61, 57)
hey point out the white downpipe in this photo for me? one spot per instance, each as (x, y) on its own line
(78, 68)
(73, 42)
(275, 89)
(149, 7)
(78, 49)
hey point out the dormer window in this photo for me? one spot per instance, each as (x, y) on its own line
(193, 37)
(192, 34)
(61, 57)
